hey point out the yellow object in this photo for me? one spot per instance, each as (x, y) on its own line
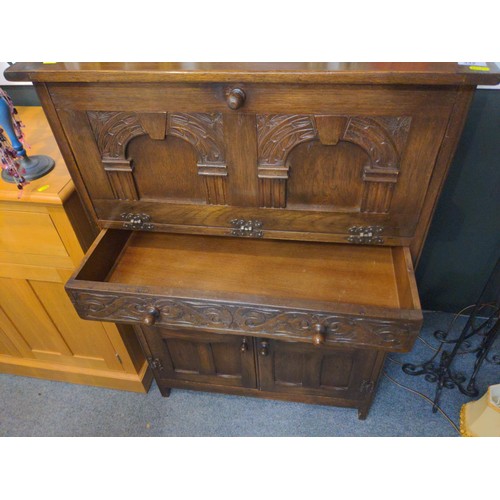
(41, 334)
(481, 418)
(479, 68)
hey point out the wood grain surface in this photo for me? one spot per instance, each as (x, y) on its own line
(333, 169)
(336, 273)
(318, 72)
(56, 186)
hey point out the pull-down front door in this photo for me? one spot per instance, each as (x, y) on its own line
(326, 161)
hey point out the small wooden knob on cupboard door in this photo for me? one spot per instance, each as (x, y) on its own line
(318, 337)
(152, 315)
(236, 98)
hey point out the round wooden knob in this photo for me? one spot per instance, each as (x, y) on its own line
(318, 337)
(151, 316)
(236, 98)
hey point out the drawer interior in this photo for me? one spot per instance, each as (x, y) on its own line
(263, 271)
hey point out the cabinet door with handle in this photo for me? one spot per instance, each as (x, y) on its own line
(203, 358)
(316, 161)
(305, 369)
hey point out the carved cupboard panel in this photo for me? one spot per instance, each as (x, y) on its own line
(205, 358)
(303, 369)
(150, 169)
(324, 175)
(229, 362)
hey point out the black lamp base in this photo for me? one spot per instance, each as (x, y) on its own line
(34, 167)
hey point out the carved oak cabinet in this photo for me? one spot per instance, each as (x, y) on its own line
(260, 222)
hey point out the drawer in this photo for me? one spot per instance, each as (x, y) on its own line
(314, 162)
(318, 293)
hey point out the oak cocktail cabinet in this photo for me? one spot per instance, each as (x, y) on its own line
(260, 222)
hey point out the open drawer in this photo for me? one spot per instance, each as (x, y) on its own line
(321, 293)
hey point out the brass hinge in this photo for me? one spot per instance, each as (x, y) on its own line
(137, 222)
(155, 363)
(367, 386)
(366, 235)
(248, 228)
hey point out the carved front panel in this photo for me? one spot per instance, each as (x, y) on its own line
(307, 160)
(389, 334)
(372, 161)
(204, 132)
(197, 172)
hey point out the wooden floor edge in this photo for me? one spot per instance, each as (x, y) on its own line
(140, 382)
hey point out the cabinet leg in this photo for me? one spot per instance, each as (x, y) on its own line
(165, 391)
(363, 412)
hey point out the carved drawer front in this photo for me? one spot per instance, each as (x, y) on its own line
(322, 294)
(317, 160)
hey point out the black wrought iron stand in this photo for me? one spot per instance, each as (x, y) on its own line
(477, 337)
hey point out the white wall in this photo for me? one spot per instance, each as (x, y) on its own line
(3, 81)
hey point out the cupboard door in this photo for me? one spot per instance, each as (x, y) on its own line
(202, 357)
(302, 369)
(38, 321)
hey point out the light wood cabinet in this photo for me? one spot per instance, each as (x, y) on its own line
(41, 334)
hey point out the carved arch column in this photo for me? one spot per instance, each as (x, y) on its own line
(204, 131)
(383, 139)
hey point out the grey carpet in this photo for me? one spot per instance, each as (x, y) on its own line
(33, 407)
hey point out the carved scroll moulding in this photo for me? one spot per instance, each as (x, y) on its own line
(248, 319)
(383, 138)
(204, 131)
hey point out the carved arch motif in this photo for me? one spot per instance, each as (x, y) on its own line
(383, 139)
(277, 135)
(204, 131)
(113, 131)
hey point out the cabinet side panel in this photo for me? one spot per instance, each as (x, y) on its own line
(62, 142)
(86, 231)
(445, 155)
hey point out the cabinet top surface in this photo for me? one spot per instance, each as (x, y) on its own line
(52, 188)
(422, 73)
